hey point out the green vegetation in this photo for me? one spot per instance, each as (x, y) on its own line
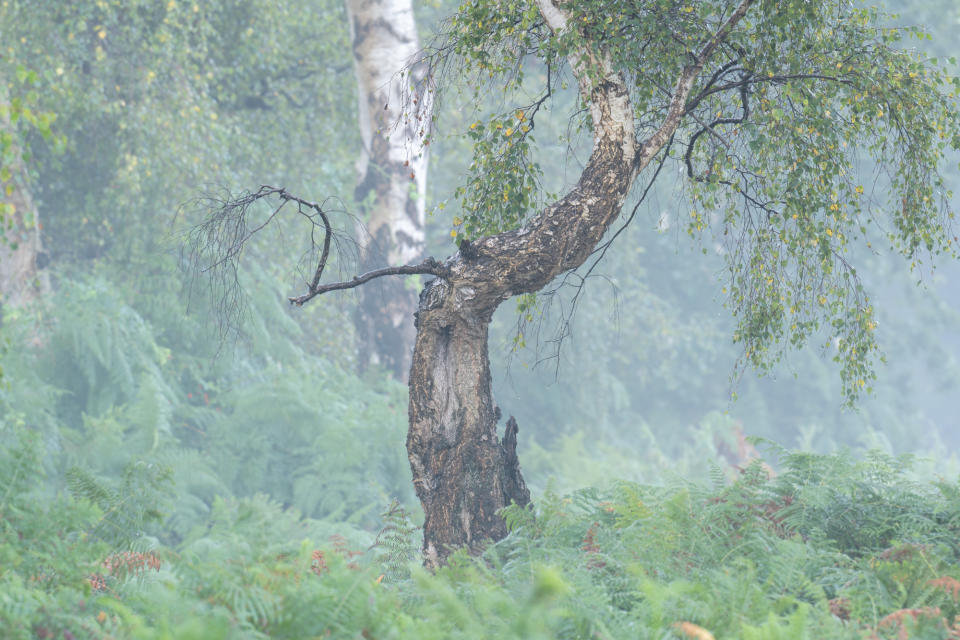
(166, 477)
(829, 548)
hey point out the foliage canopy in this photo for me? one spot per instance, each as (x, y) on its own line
(813, 127)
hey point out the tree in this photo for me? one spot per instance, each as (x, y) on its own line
(763, 107)
(394, 110)
(21, 252)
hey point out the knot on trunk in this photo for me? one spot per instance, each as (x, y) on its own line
(431, 297)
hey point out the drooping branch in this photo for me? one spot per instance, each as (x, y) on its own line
(710, 127)
(215, 246)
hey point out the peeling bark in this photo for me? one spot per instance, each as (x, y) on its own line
(462, 473)
(21, 278)
(394, 115)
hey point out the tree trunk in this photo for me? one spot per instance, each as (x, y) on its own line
(462, 473)
(394, 115)
(21, 280)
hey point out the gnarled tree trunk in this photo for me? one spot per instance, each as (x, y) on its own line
(463, 475)
(394, 114)
(21, 280)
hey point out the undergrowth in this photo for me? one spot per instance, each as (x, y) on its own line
(829, 547)
(143, 515)
(201, 500)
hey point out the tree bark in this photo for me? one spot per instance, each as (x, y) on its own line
(21, 279)
(462, 473)
(394, 115)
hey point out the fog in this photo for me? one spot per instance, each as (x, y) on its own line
(186, 454)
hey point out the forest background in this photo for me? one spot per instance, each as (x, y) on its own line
(162, 477)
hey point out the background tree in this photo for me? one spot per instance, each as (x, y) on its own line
(147, 96)
(395, 112)
(21, 251)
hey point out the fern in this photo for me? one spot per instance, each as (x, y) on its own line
(127, 510)
(395, 543)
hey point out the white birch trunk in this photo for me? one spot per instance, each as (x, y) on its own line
(394, 116)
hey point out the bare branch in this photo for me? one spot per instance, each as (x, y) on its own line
(215, 246)
(430, 266)
(224, 234)
(327, 231)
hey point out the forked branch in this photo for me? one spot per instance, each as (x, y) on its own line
(678, 104)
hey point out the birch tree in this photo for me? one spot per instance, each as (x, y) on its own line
(768, 110)
(394, 115)
(21, 251)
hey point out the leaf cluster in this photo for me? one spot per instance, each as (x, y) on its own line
(812, 126)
